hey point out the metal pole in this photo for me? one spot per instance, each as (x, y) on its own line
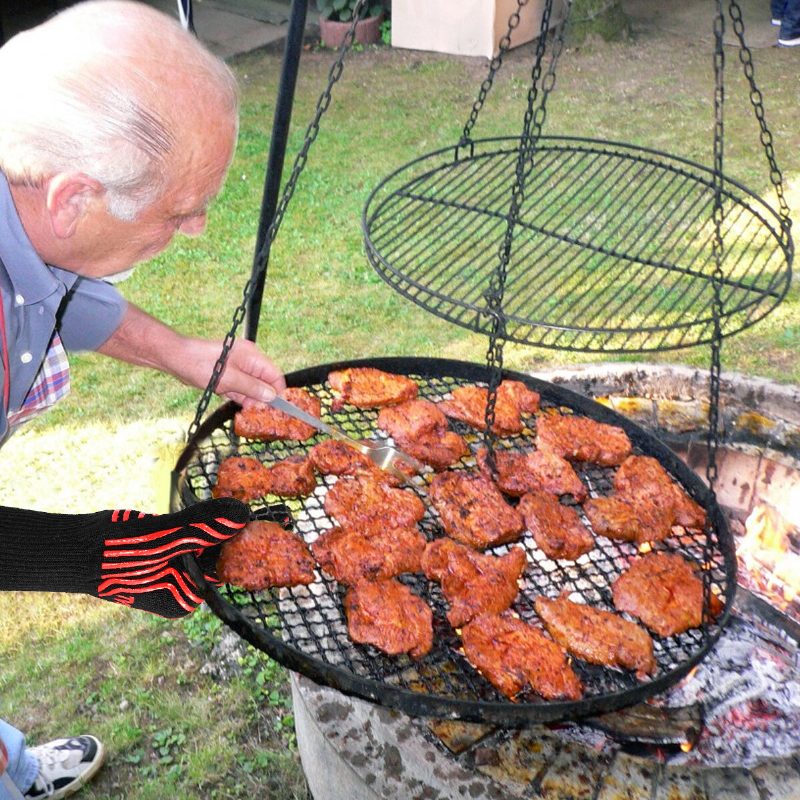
(277, 152)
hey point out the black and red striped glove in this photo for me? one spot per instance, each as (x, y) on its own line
(123, 556)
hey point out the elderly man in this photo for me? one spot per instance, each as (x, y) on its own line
(117, 129)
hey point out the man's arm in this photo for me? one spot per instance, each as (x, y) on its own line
(249, 376)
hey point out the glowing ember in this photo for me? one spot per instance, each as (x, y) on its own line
(766, 547)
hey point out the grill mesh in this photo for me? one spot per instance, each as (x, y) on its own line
(310, 619)
(612, 251)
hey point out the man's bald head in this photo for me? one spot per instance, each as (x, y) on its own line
(114, 89)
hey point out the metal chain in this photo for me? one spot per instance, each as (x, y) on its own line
(312, 131)
(531, 132)
(757, 101)
(716, 287)
(494, 66)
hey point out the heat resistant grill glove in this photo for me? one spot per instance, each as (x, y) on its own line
(123, 556)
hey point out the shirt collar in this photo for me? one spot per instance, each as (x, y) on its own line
(30, 277)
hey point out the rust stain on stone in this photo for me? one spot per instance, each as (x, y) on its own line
(755, 423)
(681, 416)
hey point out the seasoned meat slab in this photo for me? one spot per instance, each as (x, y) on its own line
(618, 517)
(662, 590)
(642, 479)
(420, 429)
(597, 636)
(473, 511)
(468, 404)
(364, 504)
(556, 528)
(333, 457)
(241, 477)
(511, 655)
(388, 615)
(519, 472)
(350, 556)
(265, 555)
(267, 424)
(579, 438)
(291, 477)
(473, 583)
(367, 387)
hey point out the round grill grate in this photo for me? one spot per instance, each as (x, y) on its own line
(305, 627)
(612, 251)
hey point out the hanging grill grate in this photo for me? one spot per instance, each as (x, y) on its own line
(304, 628)
(612, 249)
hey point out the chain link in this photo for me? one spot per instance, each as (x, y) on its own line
(757, 101)
(531, 132)
(260, 259)
(717, 277)
(494, 66)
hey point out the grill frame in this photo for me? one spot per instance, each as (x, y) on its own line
(429, 703)
(612, 251)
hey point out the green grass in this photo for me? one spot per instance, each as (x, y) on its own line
(135, 681)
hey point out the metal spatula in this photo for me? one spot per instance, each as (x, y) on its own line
(383, 455)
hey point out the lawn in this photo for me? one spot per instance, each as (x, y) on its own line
(173, 729)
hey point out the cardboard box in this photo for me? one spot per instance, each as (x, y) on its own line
(465, 27)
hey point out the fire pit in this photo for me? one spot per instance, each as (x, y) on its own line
(730, 729)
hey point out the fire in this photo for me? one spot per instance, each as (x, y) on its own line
(686, 747)
(766, 546)
(645, 547)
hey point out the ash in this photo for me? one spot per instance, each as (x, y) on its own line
(749, 687)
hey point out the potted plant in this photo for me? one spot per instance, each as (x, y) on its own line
(336, 17)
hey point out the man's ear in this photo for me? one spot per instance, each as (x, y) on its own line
(70, 195)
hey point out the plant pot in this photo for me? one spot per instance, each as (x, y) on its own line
(368, 31)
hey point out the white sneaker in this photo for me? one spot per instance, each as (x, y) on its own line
(776, 22)
(64, 766)
(790, 42)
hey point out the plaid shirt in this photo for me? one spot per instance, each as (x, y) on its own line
(50, 385)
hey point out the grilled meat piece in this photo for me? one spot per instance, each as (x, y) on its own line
(349, 556)
(472, 582)
(642, 479)
(291, 477)
(536, 470)
(597, 636)
(468, 404)
(662, 590)
(420, 429)
(556, 528)
(364, 504)
(332, 457)
(511, 654)
(388, 615)
(267, 424)
(367, 387)
(579, 438)
(265, 555)
(618, 517)
(473, 511)
(241, 477)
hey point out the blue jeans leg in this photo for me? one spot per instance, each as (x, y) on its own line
(790, 21)
(777, 8)
(22, 767)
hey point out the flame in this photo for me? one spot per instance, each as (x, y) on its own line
(686, 747)
(766, 545)
(645, 547)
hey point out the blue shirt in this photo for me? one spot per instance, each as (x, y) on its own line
(38, 299)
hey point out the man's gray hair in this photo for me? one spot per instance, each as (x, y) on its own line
(102, 88)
